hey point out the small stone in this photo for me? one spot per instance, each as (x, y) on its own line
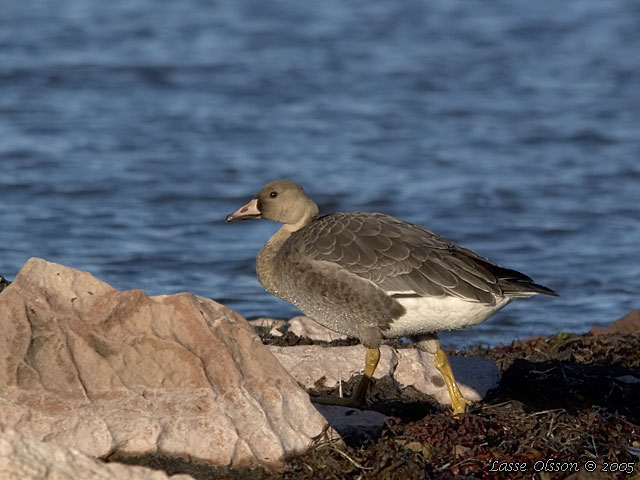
(628, 379)
(351, 422)
(460, 450)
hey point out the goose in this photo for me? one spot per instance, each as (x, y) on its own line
(373, 277)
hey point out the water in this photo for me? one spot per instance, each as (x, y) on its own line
(130, 128)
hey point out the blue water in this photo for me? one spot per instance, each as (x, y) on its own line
(130, 128)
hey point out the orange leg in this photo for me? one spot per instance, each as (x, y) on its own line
(458, 402)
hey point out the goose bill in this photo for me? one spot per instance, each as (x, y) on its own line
(245, 212)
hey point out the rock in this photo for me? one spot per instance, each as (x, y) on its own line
(628, 379)
(318, 366)
(120, 373)
(306, 328)
(315, 366)
(475, 375)
(274, 326)
(352, 423)
(627, 325)
(3, 283)
(301, 326)
(23, 458)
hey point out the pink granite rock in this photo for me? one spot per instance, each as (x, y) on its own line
(24, 458)
(110, 372)
(628, 324)
(274, 326)
(474, 375)
(304, 327)
(315, 365)
(301, 326)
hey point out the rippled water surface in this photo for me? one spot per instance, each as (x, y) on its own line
(130, 128)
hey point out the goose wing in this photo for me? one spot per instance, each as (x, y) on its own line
(403, 259)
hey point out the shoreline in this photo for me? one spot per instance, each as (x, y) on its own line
(551, 389)
(557, 404)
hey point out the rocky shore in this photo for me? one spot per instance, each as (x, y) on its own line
(98, 383)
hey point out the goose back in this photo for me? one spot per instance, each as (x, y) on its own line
(400, 258)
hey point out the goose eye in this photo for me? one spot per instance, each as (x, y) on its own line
(273, 194)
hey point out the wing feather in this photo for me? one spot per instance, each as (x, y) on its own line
(401, 257)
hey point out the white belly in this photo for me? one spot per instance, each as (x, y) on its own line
(430, 314)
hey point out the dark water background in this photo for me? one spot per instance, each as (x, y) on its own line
(130, 128)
